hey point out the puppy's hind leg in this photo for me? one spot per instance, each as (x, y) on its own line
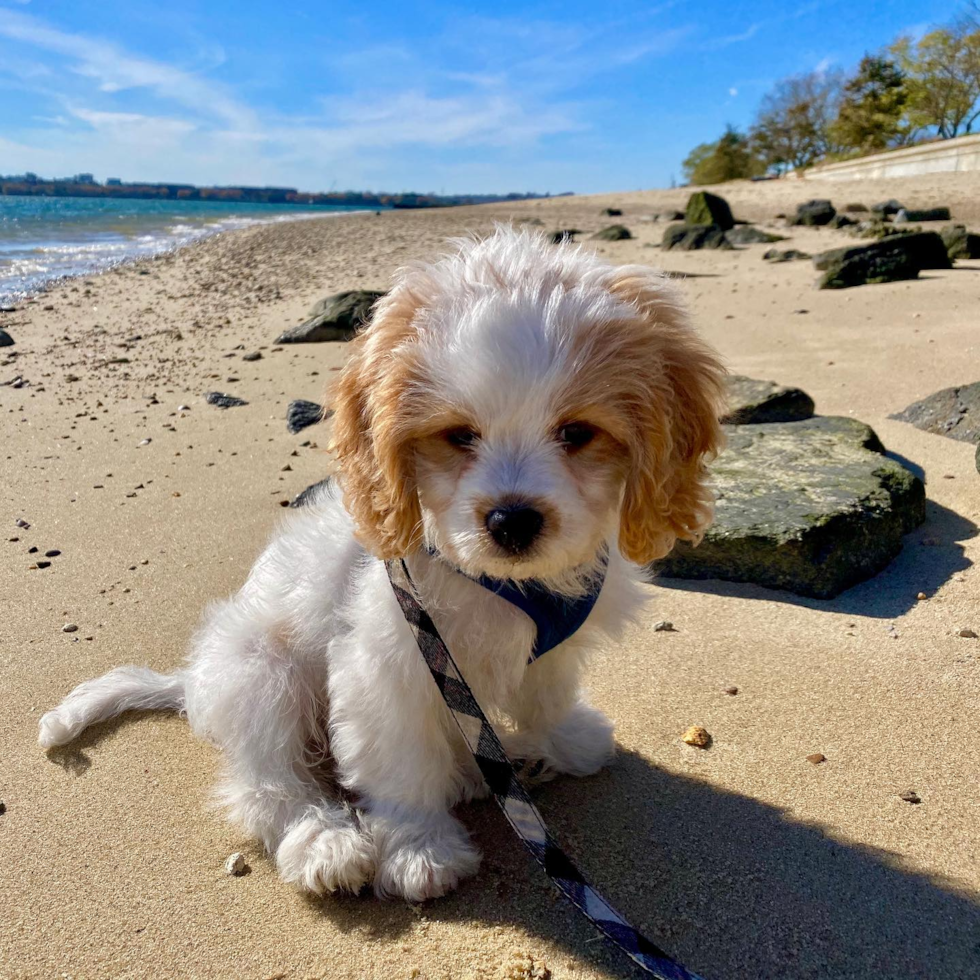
(261, 703)
(123, 689)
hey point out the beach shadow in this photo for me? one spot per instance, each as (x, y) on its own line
(73, 758)
(930, 556)
(734, 888)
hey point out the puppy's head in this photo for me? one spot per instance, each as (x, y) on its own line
(516, 404)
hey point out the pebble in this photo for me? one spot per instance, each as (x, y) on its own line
(42, 564)
(20, 522)
(922, 596)
(910, 796)
(252, 356)
(69, 628)
(145, 442)
(220, 400)
(235, 864)
(664, 626)
(53, 553)
(731, 690)
(183, 408)
(3, 808)
(968, 634)
(697, 736)
(816, 758)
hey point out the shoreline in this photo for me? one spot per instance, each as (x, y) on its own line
(112, 858)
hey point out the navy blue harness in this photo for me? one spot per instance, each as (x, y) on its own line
(555, 617)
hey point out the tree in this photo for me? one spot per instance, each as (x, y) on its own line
(943, 78)
(871, 108)
(729, 158)
(793, 125)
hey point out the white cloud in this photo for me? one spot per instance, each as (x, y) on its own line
(824, 65)
(733, 92)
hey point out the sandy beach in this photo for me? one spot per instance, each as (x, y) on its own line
(745, 860)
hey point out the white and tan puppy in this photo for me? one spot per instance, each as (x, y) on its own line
(516, 410)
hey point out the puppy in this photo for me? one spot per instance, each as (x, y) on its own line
(516, 411)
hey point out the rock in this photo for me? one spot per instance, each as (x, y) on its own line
(664, 626)
(219, 400)
(307, 495)
(751, 402)
(252, 356)
(564, 235)
(69, 628)
(687, 238)
(886, 208)
(811, 506)
(337, 317)
(855, 208)
(236, 865)
(874, 229)
(785, 255)
(612, 212)
(301, 414)
(667, 216)
(708, 209)
(750, 235)
(697, 736)
(968, 634)
(891, 259)
(910, 796)
(840, 221)
(960, 243)
(733, 690)
(5, 339)
(614, 233)
(816, 758)
(953, 412)
(3, 808)
(813, 213)
(928, 214)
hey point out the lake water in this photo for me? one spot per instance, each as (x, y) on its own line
(45, 238)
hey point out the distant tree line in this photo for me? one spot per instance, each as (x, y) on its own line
(84, 185)
(912, 91)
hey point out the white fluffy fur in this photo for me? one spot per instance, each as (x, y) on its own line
(312, 661)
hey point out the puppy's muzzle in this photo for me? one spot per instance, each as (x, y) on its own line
(514, 527)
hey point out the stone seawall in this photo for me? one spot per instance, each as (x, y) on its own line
(945, 156)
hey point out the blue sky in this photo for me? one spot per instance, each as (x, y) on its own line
(413, 95)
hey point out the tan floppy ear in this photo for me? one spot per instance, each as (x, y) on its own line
(371, 431)
(675, 422)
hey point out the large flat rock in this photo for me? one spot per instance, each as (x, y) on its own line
(751, 401)
(813, 507)
(337, 317)
(953, 412)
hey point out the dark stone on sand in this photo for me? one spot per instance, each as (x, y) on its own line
(307, 495)
(337, 317)
(892, 259)
(612, 212)
(564, 235)
(785, 255)
(960, 243)
(302, 414)
(927, 214)
(704, 208)
(840, 221)
(752, 402)
(953, 412)
(812, 506)
(688, 238)
(5, 339)
(252, 356)
(614, 233)
(886, 208)
(220, 400)
(855, 208)
(668, 216)
(814, 213)
(750, 235)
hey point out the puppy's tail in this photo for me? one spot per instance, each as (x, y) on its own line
(122, 689)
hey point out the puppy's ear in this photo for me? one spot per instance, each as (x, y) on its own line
(675, 422)
(371, 434)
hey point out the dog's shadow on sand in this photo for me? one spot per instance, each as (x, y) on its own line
(734, 888)
(930, 556)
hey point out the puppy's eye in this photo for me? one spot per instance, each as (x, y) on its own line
(575, 435)
(462, 437)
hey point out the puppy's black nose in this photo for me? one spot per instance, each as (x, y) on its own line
(514, 527)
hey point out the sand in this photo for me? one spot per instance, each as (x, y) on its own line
(745, 860)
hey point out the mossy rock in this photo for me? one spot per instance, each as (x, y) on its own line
(614, 233)
(704, 208)
(892, 259)
(960, 243)
(688, 238)
(751, 401)
(337, 317)
(814, 213)
(813, 507)
(750, 235)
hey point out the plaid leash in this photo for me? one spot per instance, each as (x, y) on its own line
(502, 777)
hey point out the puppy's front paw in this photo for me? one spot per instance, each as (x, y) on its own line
(324, 852)
(582, 742)
(421, 858)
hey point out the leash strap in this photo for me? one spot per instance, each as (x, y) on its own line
(502, 777)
